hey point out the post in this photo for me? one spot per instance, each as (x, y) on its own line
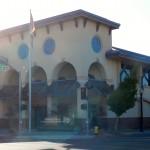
(31, 34)
(141, 105)
(30, 80)
(30, 69)
(20, 118)
(87, 121)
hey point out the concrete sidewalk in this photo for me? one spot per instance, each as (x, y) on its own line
(62, 136)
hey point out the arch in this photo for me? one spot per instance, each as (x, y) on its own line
(96, 92)
(64, 70)
(97, 71)
(38, 74)
(65, 92)
(11, 78)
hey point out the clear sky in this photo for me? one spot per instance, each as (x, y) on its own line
(133, 15)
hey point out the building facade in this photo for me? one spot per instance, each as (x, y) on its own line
(74, 70)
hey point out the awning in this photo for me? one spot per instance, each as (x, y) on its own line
(57, 87)
(39, 88)
(62, 87)
(101, 87)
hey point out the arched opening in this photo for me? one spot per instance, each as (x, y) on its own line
(63, 108)
(9, 99)
(97, 92)
(38, 97)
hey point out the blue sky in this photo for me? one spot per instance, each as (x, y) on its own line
(133, 15)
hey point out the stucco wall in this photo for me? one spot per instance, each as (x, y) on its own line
(73, 45)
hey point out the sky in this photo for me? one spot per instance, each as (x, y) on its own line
(133, 15)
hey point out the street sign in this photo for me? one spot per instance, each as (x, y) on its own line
(3, 67)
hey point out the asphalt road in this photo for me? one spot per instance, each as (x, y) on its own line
(117, 143)
(110, 144)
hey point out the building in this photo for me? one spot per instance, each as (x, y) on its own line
(74, 70)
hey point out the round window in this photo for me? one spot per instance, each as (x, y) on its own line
(49, 46)
(96, 44)
(23, 51)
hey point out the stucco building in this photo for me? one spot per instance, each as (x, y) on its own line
(74, 69)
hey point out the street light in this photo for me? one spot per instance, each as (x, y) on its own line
(141, 109)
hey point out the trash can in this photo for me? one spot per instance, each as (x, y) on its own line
(96, 130)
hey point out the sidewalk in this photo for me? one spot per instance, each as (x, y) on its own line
(62, 136)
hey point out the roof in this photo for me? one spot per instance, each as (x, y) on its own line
(56, 88)
(61, 18)
(62, 87)
(116, 53)
(41, 89)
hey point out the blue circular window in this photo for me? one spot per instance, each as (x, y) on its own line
(49, 46)
(23, 51)
(96, 44)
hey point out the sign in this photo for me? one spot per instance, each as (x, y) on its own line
(3, 67)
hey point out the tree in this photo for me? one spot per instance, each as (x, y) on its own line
(124, 97)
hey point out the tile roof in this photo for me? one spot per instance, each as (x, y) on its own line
(61, 18)
(116, 53)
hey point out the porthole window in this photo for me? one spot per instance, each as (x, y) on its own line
(49, 46)
(23, 51)
(96, 44)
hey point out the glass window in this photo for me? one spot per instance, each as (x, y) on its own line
(146, 77)
(23, 51)
(96, 44)
(125, 71)
(49, 46)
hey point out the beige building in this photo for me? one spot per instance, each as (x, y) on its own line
(74, 70)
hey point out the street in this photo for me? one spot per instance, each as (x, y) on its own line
(98, 143)
(110, 144)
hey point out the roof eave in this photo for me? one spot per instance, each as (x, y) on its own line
(59, 18)
(124, 54)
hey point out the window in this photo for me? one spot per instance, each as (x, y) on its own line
(96, 44)
(23, 51)
(49, 46)
(145, 81)
(125, 71)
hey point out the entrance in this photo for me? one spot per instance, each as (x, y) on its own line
(40, 113)
(93, 115)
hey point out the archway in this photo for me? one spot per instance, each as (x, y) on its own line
(97, 92)
(63, 108)
(10, 100)
(38, 99)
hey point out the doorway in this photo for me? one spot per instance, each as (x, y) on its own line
(40, 113)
